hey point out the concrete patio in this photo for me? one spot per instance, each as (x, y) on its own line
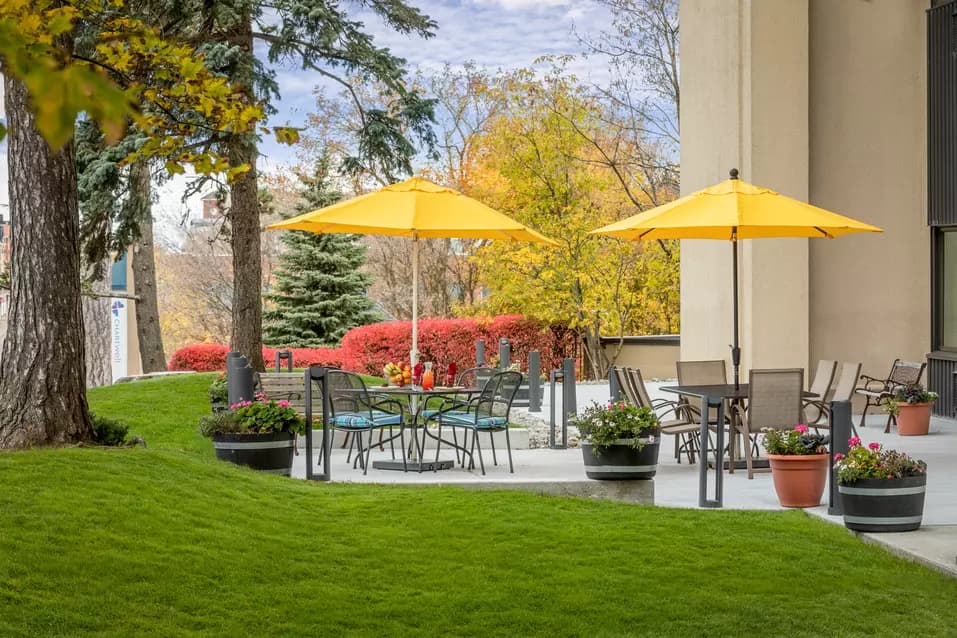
(561, 472)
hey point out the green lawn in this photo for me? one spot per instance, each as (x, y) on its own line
(167, 541)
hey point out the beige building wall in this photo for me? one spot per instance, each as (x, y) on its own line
(656, 361)
(870, 295)
(823, 100)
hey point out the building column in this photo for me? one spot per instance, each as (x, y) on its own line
(744, 83)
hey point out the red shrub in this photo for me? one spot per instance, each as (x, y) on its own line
(305, 357)
(201, 357)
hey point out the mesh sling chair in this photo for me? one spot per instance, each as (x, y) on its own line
(709, 372)
(903, 373)
(682, 426)
(842, 390)
(356, 411)
(487, 412)
(775, 400)
(821, 386)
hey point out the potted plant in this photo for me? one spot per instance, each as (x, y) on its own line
(619, 441)
(799, 461)
(881, 490)
(260, 434)
(910, 406)
(219, 393)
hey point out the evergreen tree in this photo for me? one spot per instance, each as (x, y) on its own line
(319, 292)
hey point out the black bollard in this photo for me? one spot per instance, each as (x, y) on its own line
(841, 428)
(534, 381)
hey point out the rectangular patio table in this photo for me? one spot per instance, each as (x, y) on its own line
(714, 396)
(413, 393)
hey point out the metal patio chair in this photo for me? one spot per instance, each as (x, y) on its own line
(842, 390)
(487, 412)
(356, 411)
(682, 426)
(775, 400)
(903, 373)
(821, 386)
(709, 372)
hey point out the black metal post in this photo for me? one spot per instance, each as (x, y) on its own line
(479, 353)
(614, 392)
(735, 349)
(841, 428)
(283, 355)
(318, 374)
(554, 377)
(534, 381)
(504, 354)
(569, 397)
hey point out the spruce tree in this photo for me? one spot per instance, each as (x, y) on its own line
(319, 292)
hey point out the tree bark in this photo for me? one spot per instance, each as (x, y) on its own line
(43, 367)
(143, 262)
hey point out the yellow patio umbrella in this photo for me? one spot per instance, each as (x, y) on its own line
(415, 208)
(734, 210)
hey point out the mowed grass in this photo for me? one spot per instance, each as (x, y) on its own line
(166, 541)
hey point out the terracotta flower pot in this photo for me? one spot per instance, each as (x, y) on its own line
(913, 418)
(799, 478)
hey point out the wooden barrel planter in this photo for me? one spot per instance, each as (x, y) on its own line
(620, 461)
(270, 452)
(884, 505)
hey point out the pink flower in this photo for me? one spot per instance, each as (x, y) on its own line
(284, 404)
(838, 456)
(800, 428)
(874, 445)
(233, 406)
(854, 441)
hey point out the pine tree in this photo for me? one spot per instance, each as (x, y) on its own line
(319, 292)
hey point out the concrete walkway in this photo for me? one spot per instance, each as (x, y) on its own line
(561, 472)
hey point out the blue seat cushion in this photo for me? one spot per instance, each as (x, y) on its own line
(361, 421)
(467, 418)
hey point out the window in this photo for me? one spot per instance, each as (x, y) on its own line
(945, 288)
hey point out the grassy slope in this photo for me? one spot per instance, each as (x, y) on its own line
(167, 541)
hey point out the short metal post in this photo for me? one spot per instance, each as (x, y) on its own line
(504, 354)
(479, 353)
(317, 374)
(841, 428)
(554, 377)
(614, 391)
(280, 356)
(239, 378)
(569, 398)
(534, 381)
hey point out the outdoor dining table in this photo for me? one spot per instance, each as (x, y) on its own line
(413, 395)
(714, 396)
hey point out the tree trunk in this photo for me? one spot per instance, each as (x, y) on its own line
(152, 357)
(43, 369)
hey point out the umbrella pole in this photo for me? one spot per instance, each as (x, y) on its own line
(735, 349)
(414, 355)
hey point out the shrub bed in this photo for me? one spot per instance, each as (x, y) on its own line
(211, 357)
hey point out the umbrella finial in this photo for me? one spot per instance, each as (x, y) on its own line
(734, 173)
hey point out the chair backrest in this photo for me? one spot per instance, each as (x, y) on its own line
(638, 382)
(500, 390)
(702, 372)
(823, 376)
(475, 377)
(775, 399)
(843, 389)
(628, 390)
(905, 373)
(348, 393)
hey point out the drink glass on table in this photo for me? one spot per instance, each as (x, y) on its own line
(428, 377)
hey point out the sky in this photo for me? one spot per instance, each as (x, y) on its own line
(494, 34)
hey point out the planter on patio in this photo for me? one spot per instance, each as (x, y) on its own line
(913, 419)
(621, 460)
(884, 505)
(799, 479)
(271, 452)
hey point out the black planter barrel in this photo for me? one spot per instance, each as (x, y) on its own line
(265, 452)
(620, 461)
(884, 505)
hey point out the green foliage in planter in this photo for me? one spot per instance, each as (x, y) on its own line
(225, 422)
(874, 462)
(602, 425)
(798, 441)
(914, 393)
(219, 390)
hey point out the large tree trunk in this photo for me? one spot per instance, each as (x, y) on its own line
(152, 357)
(43, 367)
(247, 332)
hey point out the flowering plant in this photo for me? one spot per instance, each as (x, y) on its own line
(874, 462)
(219, 390)
(262, 416)
(914, 393)
(798, 441)
(602, 425)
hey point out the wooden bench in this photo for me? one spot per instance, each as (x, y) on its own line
(290, 386)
